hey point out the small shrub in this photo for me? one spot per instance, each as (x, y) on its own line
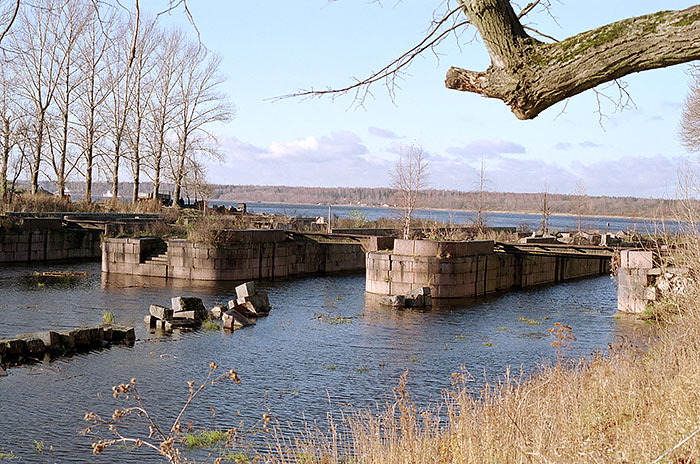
(108, 317)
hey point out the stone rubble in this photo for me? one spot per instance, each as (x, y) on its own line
(417, 298)
(189, 312)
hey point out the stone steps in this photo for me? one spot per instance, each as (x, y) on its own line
(159, 259)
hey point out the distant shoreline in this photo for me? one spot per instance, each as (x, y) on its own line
(533, 213)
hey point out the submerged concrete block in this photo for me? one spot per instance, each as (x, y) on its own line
(161, 312)
(217, 311)
(150, 321)
(259, 301)
(233, 320)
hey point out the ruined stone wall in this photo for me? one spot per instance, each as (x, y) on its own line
(265, 254)
(467, 269)
(42, 239)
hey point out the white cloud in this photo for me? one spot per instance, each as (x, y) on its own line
(487, 148)
(384, 133)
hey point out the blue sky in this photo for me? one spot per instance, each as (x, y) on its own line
(277, 47)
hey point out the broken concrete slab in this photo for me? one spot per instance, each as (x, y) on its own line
(193, 315)
(397, 301)
(181, 303)
(150, 321)
(35, 346)
(180, 324)
(247, 309)
(217, 311)
(233, 320)
(161, 312)
(260, 302)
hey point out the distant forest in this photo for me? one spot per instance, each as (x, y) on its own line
(449, 199)
(432, 198)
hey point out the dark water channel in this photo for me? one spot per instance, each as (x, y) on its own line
(319, 341)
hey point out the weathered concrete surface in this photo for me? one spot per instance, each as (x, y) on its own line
(261, 254)
(234, 320)
(47, 239)
(35, 346)
(640, 283)
(468, 269)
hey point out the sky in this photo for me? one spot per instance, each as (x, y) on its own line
(278, 47)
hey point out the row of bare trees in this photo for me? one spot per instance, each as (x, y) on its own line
(88, 91)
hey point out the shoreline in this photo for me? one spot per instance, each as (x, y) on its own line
(533, 213)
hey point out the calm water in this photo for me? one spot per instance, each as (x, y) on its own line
(292, 361)
(521, 220)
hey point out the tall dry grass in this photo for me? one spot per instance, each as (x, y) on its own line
(624, 405)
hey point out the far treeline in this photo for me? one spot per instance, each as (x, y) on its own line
(450, 199)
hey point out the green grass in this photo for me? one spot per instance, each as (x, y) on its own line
(460, 337)
(530, 321)
(7, 455)
(333, 320)
(210, 325)
(204, 438)
(236, 457)
(489, 344)
(415, 359)
(108, 317)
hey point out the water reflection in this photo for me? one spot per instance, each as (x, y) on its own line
(320, 341)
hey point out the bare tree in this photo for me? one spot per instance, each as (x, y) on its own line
(72, 21)
(142, 81)
(690, 117)
(531, 74)
(482, 188)
(163, 105)
(94, 89)
(8, 124)
(409, 177)
(201, 104)
(545, 208)
(581, 199)
(38, 60)
(119, 78)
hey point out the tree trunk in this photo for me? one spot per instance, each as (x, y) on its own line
(136, 169)
(37, 155)
(115, 171)
(5, 161)
(88, 174)
(530, 76)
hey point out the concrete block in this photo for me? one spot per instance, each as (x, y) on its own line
(180, 303)
(192, 315)
(400, 288)
(150, 321)
(380, 243)
(234, 320)
(259, 301)
(396, 301)
(636, 259)
(217, 311)
(160, 312)
(404, 247)
(245, 289)
(378, 287)
(425, 248)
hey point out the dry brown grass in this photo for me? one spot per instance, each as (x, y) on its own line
(622, 406)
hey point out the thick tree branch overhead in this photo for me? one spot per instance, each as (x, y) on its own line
(530, 76)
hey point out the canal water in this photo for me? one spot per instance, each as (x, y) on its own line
(320, 345)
